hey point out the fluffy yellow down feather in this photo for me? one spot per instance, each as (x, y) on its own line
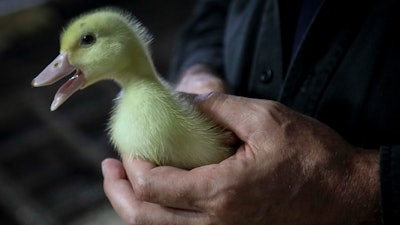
(149, 119)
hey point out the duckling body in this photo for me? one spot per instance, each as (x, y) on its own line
(151, 122)
(149, 119)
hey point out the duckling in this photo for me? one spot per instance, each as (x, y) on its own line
(149, 120)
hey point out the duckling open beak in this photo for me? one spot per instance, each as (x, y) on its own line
(56, 70)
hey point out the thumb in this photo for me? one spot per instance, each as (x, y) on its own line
(229, 111)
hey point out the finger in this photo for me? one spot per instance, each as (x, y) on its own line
(169, 186)
(228, 137)
(120, 193)
(229, 111)
(117, 188)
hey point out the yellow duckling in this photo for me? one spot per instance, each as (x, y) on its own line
(149, 120)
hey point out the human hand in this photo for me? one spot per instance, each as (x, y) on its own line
(200, 79)
(291, 169)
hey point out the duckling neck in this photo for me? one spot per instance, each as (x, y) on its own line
(142, 84)
(131, 76)
(141, 103)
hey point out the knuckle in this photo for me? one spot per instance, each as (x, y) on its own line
(222, 205)
(278, 113)
(133, 219)
(275, 107)
(142, 189)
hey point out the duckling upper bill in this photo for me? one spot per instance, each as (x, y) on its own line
(56, 70)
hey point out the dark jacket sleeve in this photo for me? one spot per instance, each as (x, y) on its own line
(390, 184)
(201, 39)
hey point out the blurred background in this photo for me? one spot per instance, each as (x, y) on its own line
(50, 161)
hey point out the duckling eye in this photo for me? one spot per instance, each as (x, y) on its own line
(87, 40)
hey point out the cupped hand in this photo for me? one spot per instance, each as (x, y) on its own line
(290, 169)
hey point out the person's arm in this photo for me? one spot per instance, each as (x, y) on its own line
(290, 169)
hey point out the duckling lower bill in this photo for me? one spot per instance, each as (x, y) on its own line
(56, 70)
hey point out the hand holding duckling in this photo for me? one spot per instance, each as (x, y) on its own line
(149, 120)
(290, 170)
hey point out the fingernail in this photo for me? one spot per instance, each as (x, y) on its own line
(203, 97)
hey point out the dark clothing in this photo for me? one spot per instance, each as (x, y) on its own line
(345, 71)
(307, 11)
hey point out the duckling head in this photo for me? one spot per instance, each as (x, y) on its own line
(102, 44)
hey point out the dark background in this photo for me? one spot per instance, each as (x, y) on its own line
(50, 161)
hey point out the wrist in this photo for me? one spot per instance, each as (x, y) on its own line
(364, 186)
(350, 188)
